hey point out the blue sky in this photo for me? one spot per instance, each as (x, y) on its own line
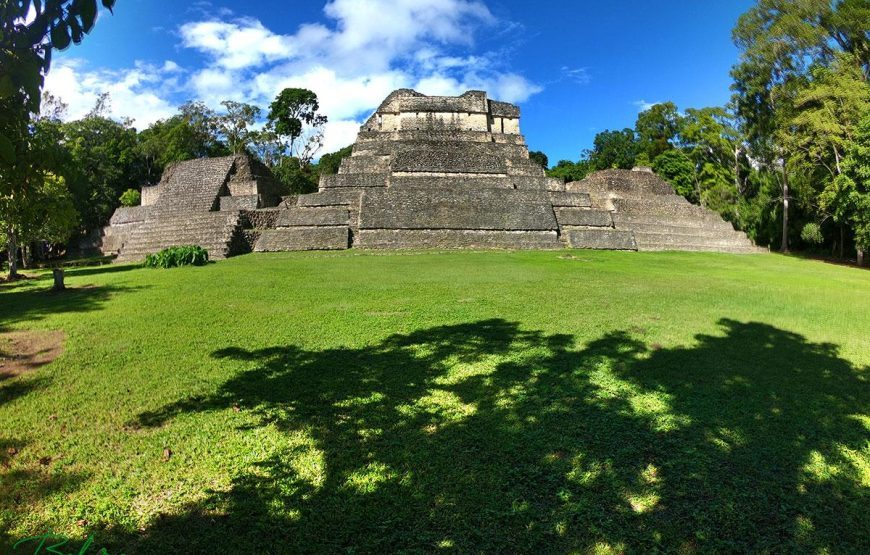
(575, 68)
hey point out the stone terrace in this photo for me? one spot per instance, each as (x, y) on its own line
(425, 172)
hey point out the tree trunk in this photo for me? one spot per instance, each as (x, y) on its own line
(784, 247)
(25, 256)
(58, 279)
(12, 251)
(860, 257)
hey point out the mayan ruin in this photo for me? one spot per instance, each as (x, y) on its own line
(426, 172)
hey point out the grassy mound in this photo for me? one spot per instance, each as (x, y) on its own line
(532, 402)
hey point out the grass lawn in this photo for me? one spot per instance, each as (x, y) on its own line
(444, 402)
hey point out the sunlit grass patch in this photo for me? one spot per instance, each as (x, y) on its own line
(462, 402)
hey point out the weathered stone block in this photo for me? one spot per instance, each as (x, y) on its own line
(246, 202)
(303, 239)
(492, 209)
(448, 159)
(330, 197)
(354, 180)
(583, 217)
(312, 217)
(609, 239)
(130, 214)
(456, 239)
(577, 200)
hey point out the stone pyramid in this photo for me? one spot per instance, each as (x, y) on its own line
(444, 172)
(425, 172)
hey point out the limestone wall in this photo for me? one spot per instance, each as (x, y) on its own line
(150, 194)
(457, 208)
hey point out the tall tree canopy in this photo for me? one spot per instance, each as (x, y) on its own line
(30, 30)
(294, 117)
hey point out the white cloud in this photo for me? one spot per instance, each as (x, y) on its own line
(139, 93)
(643, 105)
(238, 45)
(339, 134)
(366, 49)
(579, 75)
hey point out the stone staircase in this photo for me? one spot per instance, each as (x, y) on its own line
(220, 233)
(645, 207)
(582, 226)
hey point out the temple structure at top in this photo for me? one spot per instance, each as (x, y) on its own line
(408, 110)
(425, 172)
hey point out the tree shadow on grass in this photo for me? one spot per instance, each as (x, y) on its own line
(32, 304)
(23, 485)
(484, 437)
(102, 269)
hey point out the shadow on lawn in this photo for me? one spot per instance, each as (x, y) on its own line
(486, 437)
(23, 485)
(34, 304)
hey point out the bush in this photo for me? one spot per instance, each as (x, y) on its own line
(189, 255)
(131, 197)
(812, 234)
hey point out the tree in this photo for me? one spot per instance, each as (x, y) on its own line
(782, 43)
(104, 161)
(192, 133)
(711, 141)
(569, 171)
(540, 158)
(613, 149)
(235, 125)
(657, 128)
(677, 168)
(848, 198)
(329, 163)
(29, 31)
(827, 113)
(294, 118)
(828, 110)
(48, 215)
(131, 197)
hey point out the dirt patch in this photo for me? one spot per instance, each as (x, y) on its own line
(25, 351)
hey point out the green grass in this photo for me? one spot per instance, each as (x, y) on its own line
(455, 402)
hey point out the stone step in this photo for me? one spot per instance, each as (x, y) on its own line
(666, 229)
(665, 207)
(243, 202)
(583, 217)
(608, 239)
(455, 239)
(365, 164)
(303, 239)
(331, 197)
(313, 217)
(675, 240)
(465, 158)
(481, 181)
(700, 247)
(214, 231)
(570, 199)
(711, 221)
(354, 180)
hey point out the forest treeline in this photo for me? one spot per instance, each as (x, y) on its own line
(788, 159)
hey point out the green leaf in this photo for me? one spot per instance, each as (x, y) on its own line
(7, 87)
(7, 150)
(87, 11)
(60, 36)
(76, 30)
